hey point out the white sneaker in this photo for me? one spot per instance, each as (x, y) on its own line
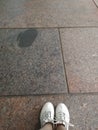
(47, 114)
(62, 116)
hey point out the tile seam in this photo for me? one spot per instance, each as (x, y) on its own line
(64, 66)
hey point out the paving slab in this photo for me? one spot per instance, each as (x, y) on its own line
(22, 113)
(47, 13)
(80, 48)
(31, 62)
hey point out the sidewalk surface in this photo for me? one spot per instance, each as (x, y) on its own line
(48, 52)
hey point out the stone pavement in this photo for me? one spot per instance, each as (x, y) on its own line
(48, 52)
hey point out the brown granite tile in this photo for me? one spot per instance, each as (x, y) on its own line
(31, 62)
(47, 13)
(94, 129)
(95, 126)
(22, 113)
(80, 48)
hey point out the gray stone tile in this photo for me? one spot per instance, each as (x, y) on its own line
(31, 62)
(80, 48)
(22, 113)
(48, 13)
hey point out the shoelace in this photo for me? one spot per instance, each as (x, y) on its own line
(47, 117)
(61, 119)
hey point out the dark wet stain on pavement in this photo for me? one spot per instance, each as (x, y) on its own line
(27, 37)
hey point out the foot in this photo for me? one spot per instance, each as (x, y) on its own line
(62, 116)
(47, 114)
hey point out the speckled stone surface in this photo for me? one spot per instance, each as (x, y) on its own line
(47, 13)
(31, 62)
(22, 113)
(80, 48)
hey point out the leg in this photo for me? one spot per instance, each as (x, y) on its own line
(61, 127)
(47, 126)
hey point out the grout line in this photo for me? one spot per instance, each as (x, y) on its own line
(51, 27)
(54, 94)
(95, 3)
(65, 74)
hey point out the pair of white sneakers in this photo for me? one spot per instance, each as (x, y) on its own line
(61, 116)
